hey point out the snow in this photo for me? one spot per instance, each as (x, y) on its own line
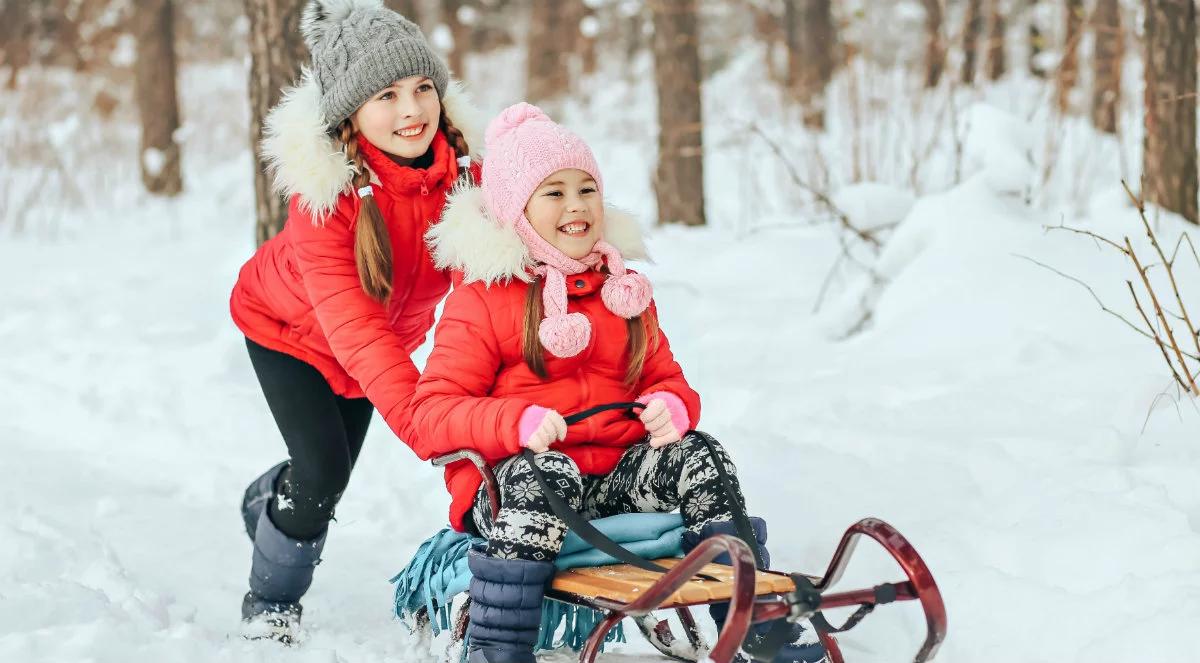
(1029, 445)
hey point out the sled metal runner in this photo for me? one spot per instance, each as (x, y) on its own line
(755, 596)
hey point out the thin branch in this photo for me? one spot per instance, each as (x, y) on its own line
(1159, 312)
(825, 283)
(1096, 297)
(1080, 231)
(842, 217)
(1179, 244)
(1157, 340)
(1170, 274)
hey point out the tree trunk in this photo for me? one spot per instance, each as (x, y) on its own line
(1109, 51)
(16, 24)
(547, 77)
(1068, 66)
(679, 176)
(154, 73)
(1037, 41)
(405, 8)
(460, 33)
(579, 42)
(1169, 176)
(811, 42)
(996, 59)
(935, 46)
(972, 30)
(276, 53)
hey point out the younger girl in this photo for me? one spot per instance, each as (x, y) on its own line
(334, 304)
(549, 321)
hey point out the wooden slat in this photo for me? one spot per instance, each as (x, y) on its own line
(624, 583)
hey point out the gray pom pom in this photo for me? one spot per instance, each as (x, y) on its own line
(320, 15)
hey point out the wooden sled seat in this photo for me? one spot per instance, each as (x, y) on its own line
(624, 583)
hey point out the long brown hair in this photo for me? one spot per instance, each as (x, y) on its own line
(372, 244)
(641, 333)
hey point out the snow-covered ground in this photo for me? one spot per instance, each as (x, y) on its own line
(1027, 443)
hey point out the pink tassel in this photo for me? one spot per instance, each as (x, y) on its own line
(565, 335)
(627, 295)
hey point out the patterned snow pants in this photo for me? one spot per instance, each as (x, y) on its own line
(646, 480)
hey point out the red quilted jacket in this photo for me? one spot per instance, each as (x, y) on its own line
(476, 384)
(300, 293)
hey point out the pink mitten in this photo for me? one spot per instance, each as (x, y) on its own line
(665, 417)
(540, 427)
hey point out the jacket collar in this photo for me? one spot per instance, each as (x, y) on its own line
(469, 240)
(407, 179)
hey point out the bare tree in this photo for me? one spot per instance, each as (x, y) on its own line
(1108, 52)
(997, 26)
(679, 176)
(460, 33)
(276, 53)
(811, 45)
(547, 77)
(406, 8)
(154, 73)
(580, 43)
(16, 23)
(935, 45)
(1068, 66)
(972, 30)
(1169, 176)
(1037, 41)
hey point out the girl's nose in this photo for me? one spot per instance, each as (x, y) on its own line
(408, 106)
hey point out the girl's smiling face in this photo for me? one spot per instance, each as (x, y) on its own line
(567, 211)
(401, 119)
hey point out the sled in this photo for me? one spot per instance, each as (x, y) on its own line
(756, 596)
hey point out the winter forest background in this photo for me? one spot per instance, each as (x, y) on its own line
(925, 260)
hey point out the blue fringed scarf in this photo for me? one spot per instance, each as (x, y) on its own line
(438, 572)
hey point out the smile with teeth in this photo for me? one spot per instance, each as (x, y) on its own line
(575, 228)
(410, 132)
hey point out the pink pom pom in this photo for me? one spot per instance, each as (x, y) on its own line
(565, 335)
(512, 117)
(627, 295)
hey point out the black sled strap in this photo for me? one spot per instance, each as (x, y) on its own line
(582, 527)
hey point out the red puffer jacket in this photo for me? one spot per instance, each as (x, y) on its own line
(300, 294)
(476, 384)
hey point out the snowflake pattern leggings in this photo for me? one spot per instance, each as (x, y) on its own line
(646, 480)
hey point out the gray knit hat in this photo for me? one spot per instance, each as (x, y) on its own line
(358, 48)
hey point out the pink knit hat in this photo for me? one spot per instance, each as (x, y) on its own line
(523, 148)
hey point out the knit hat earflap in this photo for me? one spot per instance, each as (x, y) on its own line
(523, 148)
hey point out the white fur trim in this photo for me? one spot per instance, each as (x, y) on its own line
(469, 240)
(624, 232)
(466, 117)
(303, 159)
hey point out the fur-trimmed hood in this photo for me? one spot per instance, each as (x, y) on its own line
(304, 160)
(469, 240)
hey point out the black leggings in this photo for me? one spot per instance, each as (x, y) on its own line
(324, 433)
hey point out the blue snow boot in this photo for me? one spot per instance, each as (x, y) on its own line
(804, 645)
(280, 574)
(506, 608)
(259, 494)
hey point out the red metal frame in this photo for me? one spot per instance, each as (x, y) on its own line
(745, 608)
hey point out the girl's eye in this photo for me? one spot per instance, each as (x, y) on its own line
(386, 96)
(587, 190)
(424, 87)
(553, 193)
